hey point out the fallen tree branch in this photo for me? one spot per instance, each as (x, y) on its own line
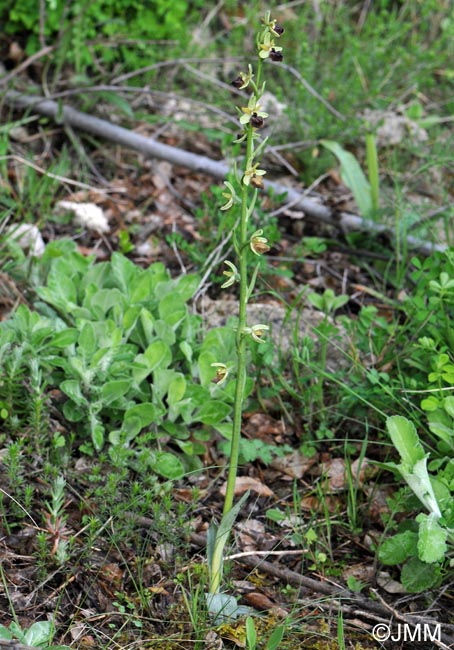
(217, 169)
(348, 601)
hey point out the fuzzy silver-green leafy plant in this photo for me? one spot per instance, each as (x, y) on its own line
(248, 242)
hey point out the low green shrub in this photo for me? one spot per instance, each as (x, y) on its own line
(120, 344)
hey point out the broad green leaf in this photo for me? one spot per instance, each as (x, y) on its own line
(251, 633)
(405, 439)
(17, 632)
(158, 355)
(187, 286)
(141, 289)
(441, 424)
(398, 548)
(131, 427)
(206, 370)
(72, 389)
(419, 481)
(130, 318)
(432, 545)
(172, 309)
(430, 403)
(316, 299)
(353, 176)
(177, 389)
(38, 633)
(65, 338)
(5, 633)
(72, 412)
(448, 405)
(168, 465)
(165, 332)
(223, 607)
(212, 412)
(112, 390)
(124, 271)
(275, 638)
(186, 350)
(217, 539)
(97, 436)
(88, 343)
(418, 576)
(146, 413)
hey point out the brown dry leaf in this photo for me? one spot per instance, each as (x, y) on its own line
(314, 504)
(263, 426)
(385, 581)
(363, 470)
(334, 470)
(250, 531)
(245, 483)
(361, 572)
(294, 465)
(213, 641)
(378, 502)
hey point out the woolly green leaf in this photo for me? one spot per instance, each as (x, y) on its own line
(353, 176)
(432, 539)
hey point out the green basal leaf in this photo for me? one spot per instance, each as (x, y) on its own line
(432, 545)
(38, 633)
(251, 633)
(353, 177)
(418, 576)
(419, 481)
(398, 548)
(5, 633)
(223, 608)
(275, 638)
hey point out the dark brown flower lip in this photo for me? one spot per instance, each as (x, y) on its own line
(256, 181)
(237, 83)
(276, 56)
(256, 121)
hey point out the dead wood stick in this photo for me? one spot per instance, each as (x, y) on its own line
(148, 147)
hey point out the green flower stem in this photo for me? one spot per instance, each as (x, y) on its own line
(240, 337)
